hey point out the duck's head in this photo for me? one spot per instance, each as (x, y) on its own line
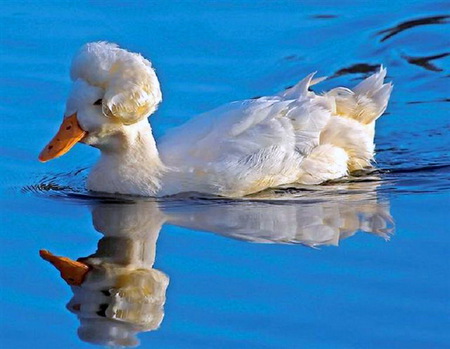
(113, 91)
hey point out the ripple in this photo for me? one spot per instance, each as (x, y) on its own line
(429, 168)
(324, 16)
(443, 100)
(425, 63)
(390, 32)
(362, 185)
(59, 184)
(359, 68)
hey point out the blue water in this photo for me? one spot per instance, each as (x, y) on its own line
(362, 263)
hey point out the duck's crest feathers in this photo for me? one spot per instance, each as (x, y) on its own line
(132, 90)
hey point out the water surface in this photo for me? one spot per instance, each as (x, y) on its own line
(361, 263)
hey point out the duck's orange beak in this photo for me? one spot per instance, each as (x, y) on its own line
(68, 135)
(73, 272)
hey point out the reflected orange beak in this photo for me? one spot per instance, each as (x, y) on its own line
(73, 272)
(68, 135)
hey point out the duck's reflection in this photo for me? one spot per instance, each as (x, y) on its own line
(316, 217)
(117, 292)
(313, 224)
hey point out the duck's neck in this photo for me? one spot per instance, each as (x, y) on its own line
(134, 169)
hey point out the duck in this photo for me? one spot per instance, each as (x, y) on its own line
(244, 147)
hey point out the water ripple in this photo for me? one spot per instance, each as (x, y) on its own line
(365, 185)
(360, 68)
(390, 32)
(425, 62)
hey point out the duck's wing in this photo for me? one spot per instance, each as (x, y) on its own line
(246, 146)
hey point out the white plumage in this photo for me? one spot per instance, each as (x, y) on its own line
(238, 149)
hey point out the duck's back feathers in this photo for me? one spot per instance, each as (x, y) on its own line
(246, 146)
(295, 136)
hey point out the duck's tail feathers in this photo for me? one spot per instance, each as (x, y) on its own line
(300, 89)
(367, 101)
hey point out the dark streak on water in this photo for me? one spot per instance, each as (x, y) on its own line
(324, 16)
(425, 62)
(390, 32)
(360, 68)
(444, 100)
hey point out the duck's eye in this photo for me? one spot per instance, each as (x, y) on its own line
(98, 102)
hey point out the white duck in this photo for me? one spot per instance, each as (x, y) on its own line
(235, 150)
